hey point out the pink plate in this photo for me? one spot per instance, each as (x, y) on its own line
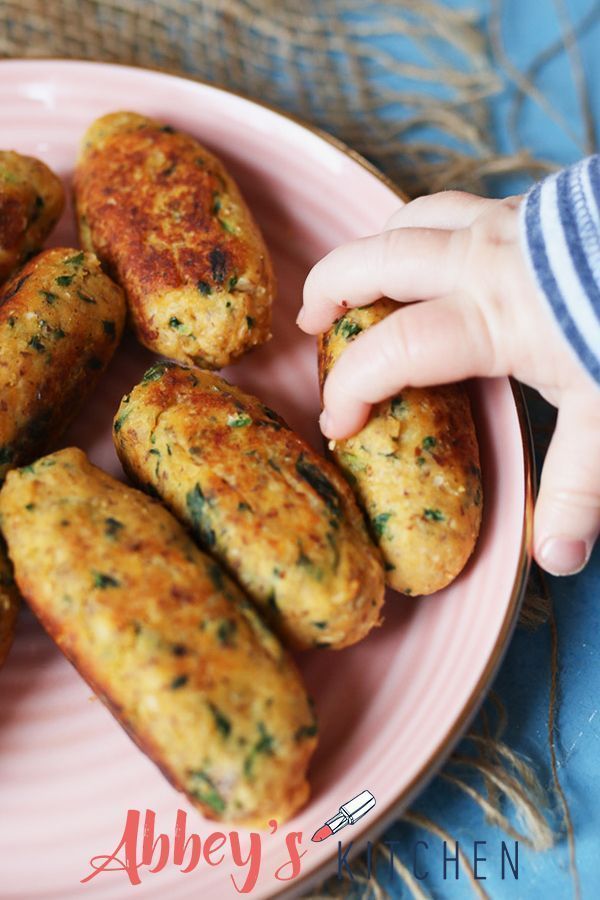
(392, 708)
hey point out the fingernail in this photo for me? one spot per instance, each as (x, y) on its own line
(325, 422)
(300, 318)
(563, 556)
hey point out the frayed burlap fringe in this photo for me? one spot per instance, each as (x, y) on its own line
(537, 604)
(328, 62)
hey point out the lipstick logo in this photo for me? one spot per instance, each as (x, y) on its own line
(348, 814)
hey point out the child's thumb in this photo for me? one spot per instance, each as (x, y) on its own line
(567, 514)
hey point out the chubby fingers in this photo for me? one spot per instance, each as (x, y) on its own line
(567, 513)
(405, 264)
(447, 209)
(435, 342)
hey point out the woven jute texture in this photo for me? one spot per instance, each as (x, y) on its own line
(324, 60)
(335, 63)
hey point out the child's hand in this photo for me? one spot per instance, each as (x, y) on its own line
(481, 315)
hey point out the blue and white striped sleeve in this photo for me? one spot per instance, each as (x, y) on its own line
(560, 232)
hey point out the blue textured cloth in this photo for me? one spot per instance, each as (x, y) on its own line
(560, 228)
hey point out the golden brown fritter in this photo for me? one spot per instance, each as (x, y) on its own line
(31, 203)
(61, 319)
(9, 603)
(161, 634)
(169, 223)
(275, 513)
(415, 470)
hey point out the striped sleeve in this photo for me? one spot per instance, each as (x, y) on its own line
(560, 232)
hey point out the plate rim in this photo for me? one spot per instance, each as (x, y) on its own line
(470, 708)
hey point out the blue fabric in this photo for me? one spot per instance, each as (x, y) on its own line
(523, 682)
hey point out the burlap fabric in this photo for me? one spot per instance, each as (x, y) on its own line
(324, 60)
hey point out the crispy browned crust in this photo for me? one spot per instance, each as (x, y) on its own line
(31, 203)
(169, 223)
(165, 639)
(279, 516)
(415, 470)
(61, 319)
(9, 603)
